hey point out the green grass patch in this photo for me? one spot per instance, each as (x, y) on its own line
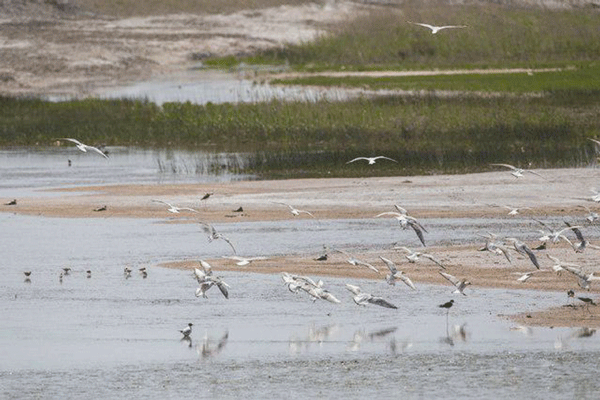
(425, 134)
(577, 79)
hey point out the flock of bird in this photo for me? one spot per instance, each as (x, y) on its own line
(316, 290)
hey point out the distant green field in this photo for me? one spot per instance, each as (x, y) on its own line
(582, 78)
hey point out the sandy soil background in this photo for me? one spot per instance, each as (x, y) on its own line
(560, 192)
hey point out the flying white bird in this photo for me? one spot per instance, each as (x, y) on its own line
(460, 284)
(371, 160)
(517, 172)
(84, 147)
(591, 215)
(493, 246)
(523, 249)
(524, 276)
(214, 235)
(436, 29)
(206, 280)
(175, 209)
(362, 299)
(555, 235)
(356, 262)
(558, 266)
(395, 274)
(413, 256)
(585, 279)
(405, 221)
(295, 212)
(241, 261)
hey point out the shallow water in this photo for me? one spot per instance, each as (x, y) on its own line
(111, 337)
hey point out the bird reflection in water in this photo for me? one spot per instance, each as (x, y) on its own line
(210, 348)
(580, 333)
(360, 337)
(315, 335)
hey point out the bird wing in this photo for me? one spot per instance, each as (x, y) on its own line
(72, 141)
(389, 213)
(401, 209)
(380, 302)
(390, 264)
(356, 159)
(576, 271)
(97, 150)
(531, 256)
(435, 260)
(418, 231)
(506, 165)
(228, 242)
(329, 297)
(535, 173)
(385, 158)
(353, 288)
(576, 231)
(366, 264)
(306, 212)
(223, 288)
(450, 278)
(451, 26)
(407, 281)
(413, 220)
(425, 25)
(208, 229)
(162, 202)
(206, 266)
(188, 209)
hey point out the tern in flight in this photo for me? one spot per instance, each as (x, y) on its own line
(356, 262)
(436, 29)
(493, 246)
(214, 235)
(405, 221)
(517, 172)
(554, 235)
(241, 261)
(460, 284)
(84, 147)
(591, 215)
(175, 209)
(524, 276)
(206, 280)
(559, 266)
(395, 274)
(362, 299)
(371, 160)
(413, 256)
(295, 212)
(585, 279)
(523, 249)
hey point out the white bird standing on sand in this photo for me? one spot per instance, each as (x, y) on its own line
(460, 284)
(517, 172)
(187, 331)
(84, 147)
(371, 160)
(214, 235)
(241, 261)
(395, 274)
(362, 299)
(295, 212)
(523, 249)
(175, 209)
(356, 262)
(413, 256)
(435, 29)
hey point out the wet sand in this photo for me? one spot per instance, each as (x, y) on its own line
(562, 193)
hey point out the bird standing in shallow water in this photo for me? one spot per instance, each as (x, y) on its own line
(187, 331)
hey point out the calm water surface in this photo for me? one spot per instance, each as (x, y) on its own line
(111, 337)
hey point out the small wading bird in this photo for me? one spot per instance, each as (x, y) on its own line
(84, 147)
(175, 209)
(214, 235)
(413, 256)
(295, 212)
(371, 160)
(187, 331)
(517, 172)
(435, 29)
(362, 299)
(11, 203)
(460, 285)
(395, 274)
